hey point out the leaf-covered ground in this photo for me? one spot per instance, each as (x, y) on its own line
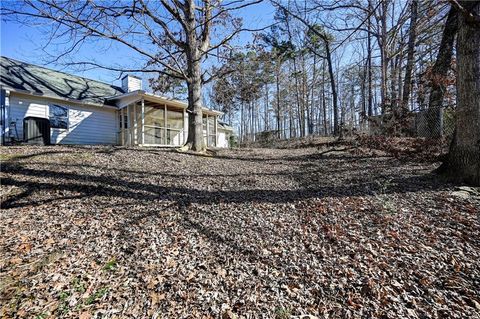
(110, 232)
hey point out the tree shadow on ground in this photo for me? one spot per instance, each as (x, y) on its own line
(135, 195)
(307, 177)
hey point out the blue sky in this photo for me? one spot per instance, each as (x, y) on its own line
(24, 43)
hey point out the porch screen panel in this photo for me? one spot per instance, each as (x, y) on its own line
(174, 127)
(154, 126)
(131, 128)
(154, 135)
(138, 118)
(212, 137)
(205, 133)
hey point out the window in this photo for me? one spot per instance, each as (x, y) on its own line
(125, 120)
(58, 116)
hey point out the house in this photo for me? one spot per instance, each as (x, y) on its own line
(44, 106)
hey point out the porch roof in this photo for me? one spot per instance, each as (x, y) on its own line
(131, 97)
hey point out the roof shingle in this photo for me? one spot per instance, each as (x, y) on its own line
(47, 82)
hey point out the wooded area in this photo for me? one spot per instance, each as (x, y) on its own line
(330, 68)
(349, 189)
(403, 72)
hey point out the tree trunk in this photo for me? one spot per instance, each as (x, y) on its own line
(277, 93)
(440, 69)
(194, 82)
(267, 118)
(464, 156)
(383, 57)
(241, 122)
(444, 59)
(195, 123)
(393, 82)
(324, 102)
(410, 56)
(383, 63)
(306, 98)
(334, 89)
(363, 99)
(310, 111)
(369, 61)
(297, 94)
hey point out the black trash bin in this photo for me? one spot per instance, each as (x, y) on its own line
(36, 130)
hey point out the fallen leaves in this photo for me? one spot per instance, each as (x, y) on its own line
(133, 233)
(85, 315)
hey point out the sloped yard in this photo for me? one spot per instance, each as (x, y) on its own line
(109, 232)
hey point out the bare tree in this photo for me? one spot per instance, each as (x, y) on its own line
(328, 56)
(443, 61)
(171, 36)
(411, 51)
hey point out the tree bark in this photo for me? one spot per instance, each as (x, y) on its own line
(334, 88)
(195, 117)
(369, 61)
(266, 117)
(444, 59)
(277, 83)
(194, 81)
(383, 56)
(464, 156)
(310, 111)
(407, 86)
(297, 94)
(324, 102)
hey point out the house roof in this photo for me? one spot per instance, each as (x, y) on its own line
(41, 81)
(141, 94)
(37, 80)
(224, 126)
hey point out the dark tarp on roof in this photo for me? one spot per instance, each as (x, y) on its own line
(42, 81)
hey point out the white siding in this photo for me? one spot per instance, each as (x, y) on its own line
(222, 138)
(131, 83)
(87, 124)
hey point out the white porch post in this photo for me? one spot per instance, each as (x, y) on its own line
(122, 123)
(143, 121)
(165, 124)
(216, 130)
(129, 130)
(135, 126)
(184, 128)
(208, 129)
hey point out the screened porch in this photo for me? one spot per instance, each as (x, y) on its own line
(160, 122)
